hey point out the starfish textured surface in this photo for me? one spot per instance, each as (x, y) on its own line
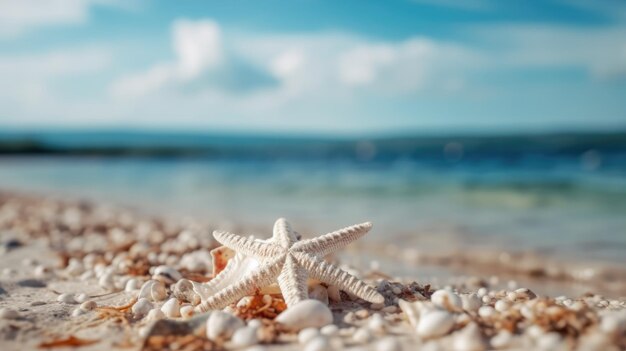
(291, 262)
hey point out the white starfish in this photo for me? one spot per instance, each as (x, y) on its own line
(291, 261)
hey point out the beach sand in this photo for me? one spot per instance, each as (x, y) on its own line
(58, 254)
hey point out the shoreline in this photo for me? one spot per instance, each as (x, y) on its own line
(53, 248)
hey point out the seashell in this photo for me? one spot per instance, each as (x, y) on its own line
(171, 308)
(66, 298)
(362, 336)
(166, 274)
(222, 325)
(304, 314)
(469, 339)
(187, 311)
(318, 343)
(132, 284)
(306, 334)
(184, 290)
(78, 312)
(155, 314)
(527, 293)
(433, 324)
(388, 344)
(447, 300)
(376, 324)
(246, 336)
(141, 307)
(319, 292)
(471, 302)
(158, 292)
(255, 323)
(88, 305)
(413, 310)
(7, 313)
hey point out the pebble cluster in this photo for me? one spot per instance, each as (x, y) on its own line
(154, 263)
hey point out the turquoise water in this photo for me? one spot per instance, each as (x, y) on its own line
(568, 204)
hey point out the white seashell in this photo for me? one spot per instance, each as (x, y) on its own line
(132, 284)
(66, 298)
(166, 274)
(469, 339)
(447, 300)
(141, 307)
(388, 344)
(246, 336)
(7, 313)
(318, 343)
(471, 302)
(158, 292)
(88, 305)
(319, 292)
(78, 312)
(549, 341)
(187, 311)
(75, 267)
(185, 290)
(155, 314)
(171, 308)
(146, 290)
(362, 336)
(376, 324)
(306, 334)
(433, 324)
(80, 298)
(222, 325)
(413, 310)
(255, 323)
(304, 314)
(333, 293)
(329, 330)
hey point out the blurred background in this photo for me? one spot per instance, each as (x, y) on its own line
(480, 127)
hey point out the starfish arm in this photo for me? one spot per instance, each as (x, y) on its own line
(327, 243)
(331, 274)
(293, 282)
(282, 234)
(265, 275)
(248, 247)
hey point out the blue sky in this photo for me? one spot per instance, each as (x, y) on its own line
(313, 66)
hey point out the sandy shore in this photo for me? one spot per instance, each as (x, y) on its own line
(71, 272)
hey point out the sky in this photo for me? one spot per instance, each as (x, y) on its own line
(305, 66)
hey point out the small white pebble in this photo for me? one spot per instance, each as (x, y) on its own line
(376, 324)
(362, 313)
(329, 330)
(132, 284)
(80, 298)
(388, 344)
(78, 312)
(88, 305)
(155, 314)
(255, 323)
(486, 311)
(447, 300)
(486, 299)
(41, 271)
(501, 340)
(7, 313)
(306, 334)
(186, 311)
(471, 302)
(318, 343)
(141, 307)
(362, 336)
(171, 308)
(396, 290)
(66, 298)
(246, 336)
(106, 281)
(502, 305)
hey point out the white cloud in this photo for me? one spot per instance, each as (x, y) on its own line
(197, 45)
(18, 16)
